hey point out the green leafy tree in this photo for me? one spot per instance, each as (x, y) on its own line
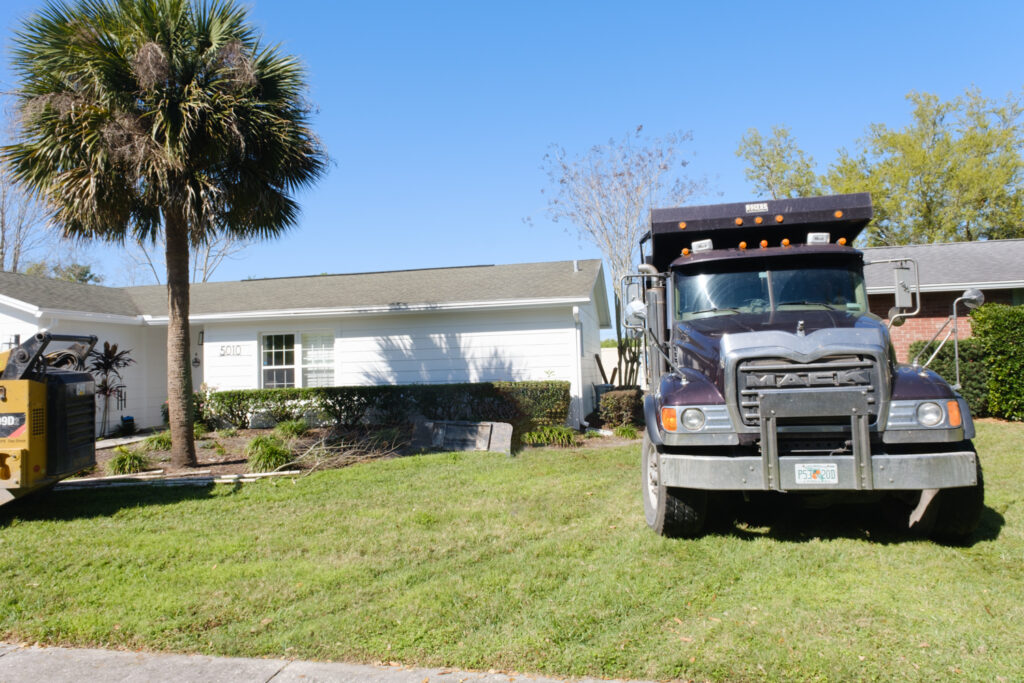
(776, 166)
(81, 273)
(954, 173)
(147, 119)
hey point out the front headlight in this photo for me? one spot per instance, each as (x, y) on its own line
(693, 419)
(929, 414)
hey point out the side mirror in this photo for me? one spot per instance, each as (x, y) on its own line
(972, 298)
(635, 313)
(896, 317)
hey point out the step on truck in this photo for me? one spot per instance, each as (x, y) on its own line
(766, 371)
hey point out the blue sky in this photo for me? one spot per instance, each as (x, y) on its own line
(437, 115)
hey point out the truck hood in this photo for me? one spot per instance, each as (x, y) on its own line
(700, 341)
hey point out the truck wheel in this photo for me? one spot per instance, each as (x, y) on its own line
(958, 511)
(672, 512)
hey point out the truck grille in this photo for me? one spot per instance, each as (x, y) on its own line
(781, 374)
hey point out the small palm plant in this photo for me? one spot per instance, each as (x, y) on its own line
(106, 366)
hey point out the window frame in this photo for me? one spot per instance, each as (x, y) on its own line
(297, 366)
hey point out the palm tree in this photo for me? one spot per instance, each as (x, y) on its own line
(142, 117)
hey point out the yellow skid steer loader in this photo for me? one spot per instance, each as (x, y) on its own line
(47, 414)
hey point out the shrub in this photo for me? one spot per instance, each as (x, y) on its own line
(199, 430)
(999, 327)
(126, 461)
(291, 429)
(161, 441)
(266, 454)
(552, 435)
(622, 407)
(526, 405)
(627, 432)
(973, 370)
(198, 409)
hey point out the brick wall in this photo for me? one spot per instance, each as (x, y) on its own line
(936, 307)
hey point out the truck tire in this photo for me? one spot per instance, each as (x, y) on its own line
(958, 511)
(671, 512)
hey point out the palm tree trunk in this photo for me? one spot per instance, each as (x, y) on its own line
(179, 371)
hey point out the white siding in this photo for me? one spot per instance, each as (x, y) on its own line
(231, 352)
(420, 348)
(457, 347)
(145, 380)
(15, 323)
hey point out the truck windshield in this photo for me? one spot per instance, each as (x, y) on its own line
(728, 291)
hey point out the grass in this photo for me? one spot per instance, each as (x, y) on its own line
(626, 432)
(540, 563)
(553, 435)
(267, 453)
(161, 441)
(291, 429)
(127, 461)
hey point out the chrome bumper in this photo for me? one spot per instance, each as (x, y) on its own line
(888, 472)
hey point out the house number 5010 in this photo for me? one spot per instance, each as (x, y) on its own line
(231, 350)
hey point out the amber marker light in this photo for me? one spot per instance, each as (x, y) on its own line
(842, 241)
(764, 243)
(838, 214)
(686, 252)
(738, 221)
(785, 242)
(743, 245)
(758, 220)
(682, 225)
(779, 219)
(953, 410)
(669, 419)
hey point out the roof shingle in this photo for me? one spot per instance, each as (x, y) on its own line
(396, 289)
(953, 265)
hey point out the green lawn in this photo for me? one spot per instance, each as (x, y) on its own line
(539, 563)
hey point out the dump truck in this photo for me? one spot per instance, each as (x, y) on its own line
(47, 413)
(767, 372)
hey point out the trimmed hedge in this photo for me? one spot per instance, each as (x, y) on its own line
(1000, 329)
(622, 407)
(526, 405)
(974, 373)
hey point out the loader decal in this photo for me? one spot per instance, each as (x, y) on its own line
(12, 425)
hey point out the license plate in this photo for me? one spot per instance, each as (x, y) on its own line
(826, 473)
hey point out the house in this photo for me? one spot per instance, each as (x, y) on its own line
(529, 321)
(996, 267)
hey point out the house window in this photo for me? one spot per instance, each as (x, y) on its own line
(314, 353)
(278, 361)
(317, 360)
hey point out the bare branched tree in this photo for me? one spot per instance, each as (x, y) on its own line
(24, 231)
(23, 227)
(607, 193)
(146, 264)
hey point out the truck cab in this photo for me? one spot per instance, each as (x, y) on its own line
(768, 372)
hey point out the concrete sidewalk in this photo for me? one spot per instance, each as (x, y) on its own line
(19, 663)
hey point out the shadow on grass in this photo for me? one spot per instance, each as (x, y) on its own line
(101, 502)
(788, 519)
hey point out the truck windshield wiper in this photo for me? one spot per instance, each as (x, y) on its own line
(723, 309)
(806, 303)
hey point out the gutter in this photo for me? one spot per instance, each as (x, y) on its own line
(952, 286)
(392, 309)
